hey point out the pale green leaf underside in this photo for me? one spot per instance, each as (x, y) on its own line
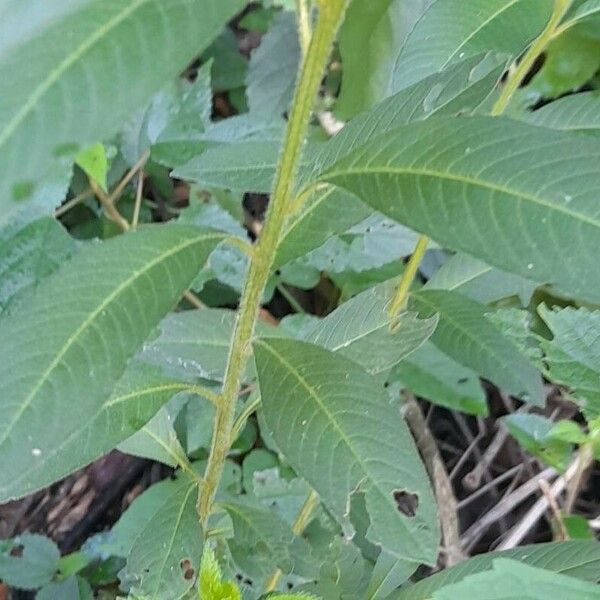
(580, 559)
(511, 580)
(453, 29)
(341, 434)
(519, 197)
(157, 562)
(579, 112)
(262, 539)
(73, 73)
(71, 339)
(468, 337)
(360, 330)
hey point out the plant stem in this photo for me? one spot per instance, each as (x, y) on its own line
(526, 64)
(408, 277)
(304, 26)
(240, 422)
(330, 15)
(302, 520)
(138, 200)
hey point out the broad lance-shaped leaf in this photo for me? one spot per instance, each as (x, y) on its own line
(453, 29)
(72, 338)
(468, 337)
(46, 61)
(138, 394)
(340, 433)
(164, 558)
(460, 89)
(573, 355)
(529, 212)
(578, 559)
(511, 580)
(360, 330)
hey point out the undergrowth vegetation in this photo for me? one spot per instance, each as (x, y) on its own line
(254, 243)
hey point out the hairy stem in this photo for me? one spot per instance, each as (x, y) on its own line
(304, 25)
(539, 45)
(330, 14)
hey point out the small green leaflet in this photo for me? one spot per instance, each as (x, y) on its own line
(340, 433)
(59, 47)
(431, 374)
(32, 567)
(573, 355)
(468, 337)
(453, 29)
(164, 559)
(441, 177)
(116, 292)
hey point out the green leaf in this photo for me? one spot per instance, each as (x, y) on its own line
(579, 559)
(273, 68)
(181, 138)
(533, 432)
(478, 280)
(371, 32)
(47, 58)
(460, 89)
(578, 112)
(388, 574)
(339, 432)
(319, 219)
(468, 337)
(28, 561)
(573, 355)
(452, 29)
(117, 292)
(441, 177)
(211, 586)
(120, 540)
(165, 556)
(262, 539)
(94, 163)
(29, 254)
(433, 375)
(194, 344)
(360, 330)
(511, 580)
(157, 440)
(73, 588)
(571, 60)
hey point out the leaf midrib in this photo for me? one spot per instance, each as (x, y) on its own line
(55, 75)
(93, 315)
(312, 392)
(492, 187)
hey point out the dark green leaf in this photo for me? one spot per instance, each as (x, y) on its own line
(67, 361)
(28, 561)
(340, 433)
